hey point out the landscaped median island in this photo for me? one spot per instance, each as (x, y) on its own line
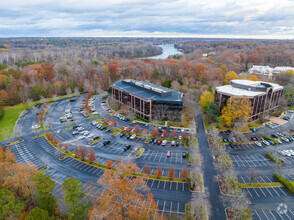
(64, 146)
(140, 152)
(288, 184)
(229, 185)
(195, 211)
(223, 160)
(95, 141)
(273, 158)
(243, 213)
(14, 142)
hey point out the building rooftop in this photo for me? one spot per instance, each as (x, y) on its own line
(239, 87)
(149, 91)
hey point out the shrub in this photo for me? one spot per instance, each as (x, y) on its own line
(273, 158)
(288, 184)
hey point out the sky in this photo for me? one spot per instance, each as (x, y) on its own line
(268, 19)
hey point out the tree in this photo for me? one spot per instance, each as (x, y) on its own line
(6, 155)
(164, 133)
(37, 214)
(112, 122)
(212, 112)
(253, 174)
(120, 198)
(73, 192)
(171, 172)
(231, 75)
(128, 129)
(236, 107)
(83, 152)
(91, 155)
(109, 164)
(10, 206)
(184, 136)
(184, 173)
(155, 133)
(18, 179)
(146, 169)
(44, 187)
(158, 172)
(145, 132)
(137, 129)
(205, 98)
(173, 134)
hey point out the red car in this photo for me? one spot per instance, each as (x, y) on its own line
(168, 154)
(159, 142)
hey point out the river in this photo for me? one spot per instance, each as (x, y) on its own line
(167, 50)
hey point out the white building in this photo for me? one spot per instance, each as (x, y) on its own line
(261, 70)
(281, 69)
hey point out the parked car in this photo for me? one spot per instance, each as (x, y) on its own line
(122, 134)
(184, 155)
(225, 140)
(95, 138)
(155, 141)
(285, 139)
(252, 129)
(271, 142)
(168, 154)
(253, 138)
(178, 143)
(286, 118)
(265, 143)
(274, 135)
(106, 142)
(164, 142)
(75, 132)
(127, 147)
(133, 137)
(173, 143)
(279, 141)
(159, 142)
(231, 145)
(151, 140)
(257, 144)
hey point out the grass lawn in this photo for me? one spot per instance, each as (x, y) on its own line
(10, 116)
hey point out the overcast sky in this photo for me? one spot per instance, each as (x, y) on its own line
(191, 18)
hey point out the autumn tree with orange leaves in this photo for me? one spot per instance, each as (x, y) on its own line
(120, 198)
(158, 172)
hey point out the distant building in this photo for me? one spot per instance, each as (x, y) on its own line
(261, 70)
(282, 69)
(268, 71)
(264, 96)
(147, 99)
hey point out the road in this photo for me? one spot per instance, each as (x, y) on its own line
(209, 171)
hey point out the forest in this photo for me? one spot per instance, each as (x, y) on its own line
(31, 68)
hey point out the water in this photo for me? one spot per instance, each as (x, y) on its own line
(167, 50)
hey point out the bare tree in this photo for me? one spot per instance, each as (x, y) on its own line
(253, 174)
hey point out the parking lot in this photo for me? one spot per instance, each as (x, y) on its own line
(24, 155)
(257, 179)
(272, 214)
(266, 192)
(160, 156)
(165, 185)
(256, 160)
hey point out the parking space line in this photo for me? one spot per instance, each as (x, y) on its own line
(276, 191)
(255, 192)
(249, 193)
(272, 214)
(265, 215)
(257, 214)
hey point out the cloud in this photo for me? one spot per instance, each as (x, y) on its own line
(52, 18)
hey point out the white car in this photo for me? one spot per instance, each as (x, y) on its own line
(164, 142)
(90, 135)
(35, 127)
(173, 143)
(257, 144)
(182, 130)
(279, 141)
(81, 137)
(95, 113)
(133, 137)
(265, 143)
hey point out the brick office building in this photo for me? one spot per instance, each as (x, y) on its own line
(147, 99)
(264, 96)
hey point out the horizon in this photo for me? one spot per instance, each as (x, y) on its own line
(263, 19)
